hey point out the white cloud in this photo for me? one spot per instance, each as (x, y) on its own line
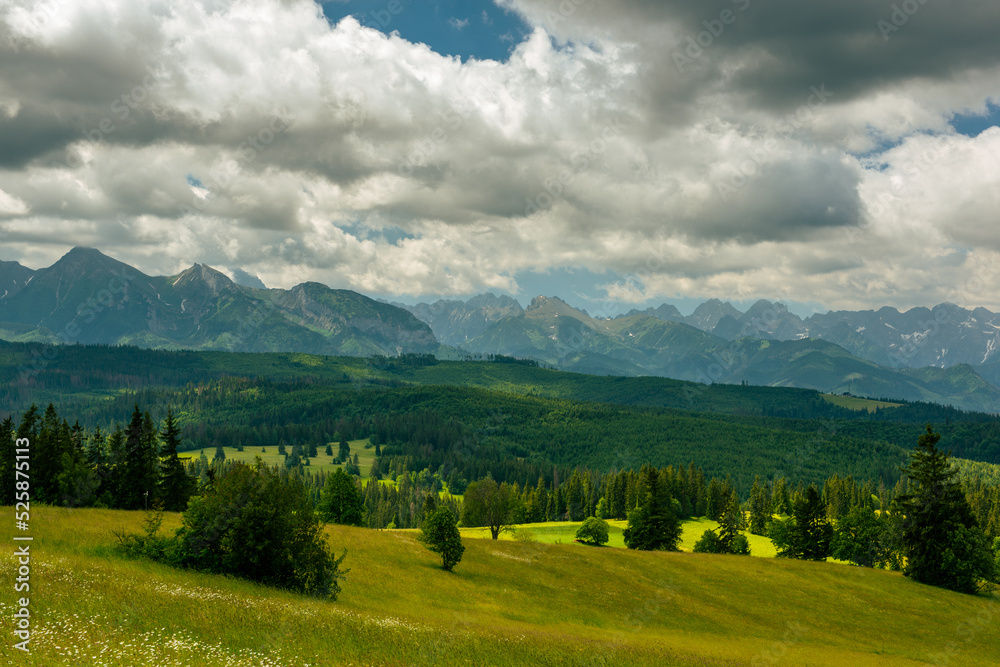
(340, 154)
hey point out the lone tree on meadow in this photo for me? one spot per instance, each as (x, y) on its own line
(943, 544)
(489, 504)
(593, 531)
(440, 534)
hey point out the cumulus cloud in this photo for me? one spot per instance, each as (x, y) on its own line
(723, 148)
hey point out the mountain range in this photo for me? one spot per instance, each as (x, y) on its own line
(88, 297)
(945, 354)
(766, 345)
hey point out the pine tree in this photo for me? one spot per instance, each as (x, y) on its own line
(52, 441)
(653, 525)
(341, 501)
(7, 462)
(730, 523)
(76, 482)
(715, 500)
(430, 504)
(942, 543)
(760, 513)
(807, 534)
(139, 472)
(176, 486)
(344, 450)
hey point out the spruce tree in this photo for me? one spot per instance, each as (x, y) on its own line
(176, 486)
(807, 534)
(138, 469)
(730, 523)
(760, 512)
(942, 543)
(7, 461)
(47, 449)
(341, 501)
(653, 525)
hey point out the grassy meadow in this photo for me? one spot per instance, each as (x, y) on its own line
(859, 404)
(320, 463)
(506, 603)
(564, 532)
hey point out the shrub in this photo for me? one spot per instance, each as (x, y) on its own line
(250, 523)
(593, 531)
(441, 535)
(709, 543)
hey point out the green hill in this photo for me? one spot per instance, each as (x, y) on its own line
(506, 603)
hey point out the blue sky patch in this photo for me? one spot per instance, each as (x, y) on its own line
(973, 125)
(478, 29)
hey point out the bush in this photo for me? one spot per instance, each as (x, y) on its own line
(709, 543)
(593, 531)
(254, 524)
(740, 546)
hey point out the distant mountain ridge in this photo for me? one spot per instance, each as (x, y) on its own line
(945, 354)
(88, 297)
(766, 345)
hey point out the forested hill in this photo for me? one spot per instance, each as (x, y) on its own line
(31, 373)
(515, 420)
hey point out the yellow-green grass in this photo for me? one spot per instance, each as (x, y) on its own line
(564, 532)
(858, 404)
(506, 603)
(320, 463)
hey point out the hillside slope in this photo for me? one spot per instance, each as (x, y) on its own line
(506, 603)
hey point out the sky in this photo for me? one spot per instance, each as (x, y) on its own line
(618, 154)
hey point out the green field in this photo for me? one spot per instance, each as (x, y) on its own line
(564, 532)
(859, 404)
(321, 463)
(506, 603)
